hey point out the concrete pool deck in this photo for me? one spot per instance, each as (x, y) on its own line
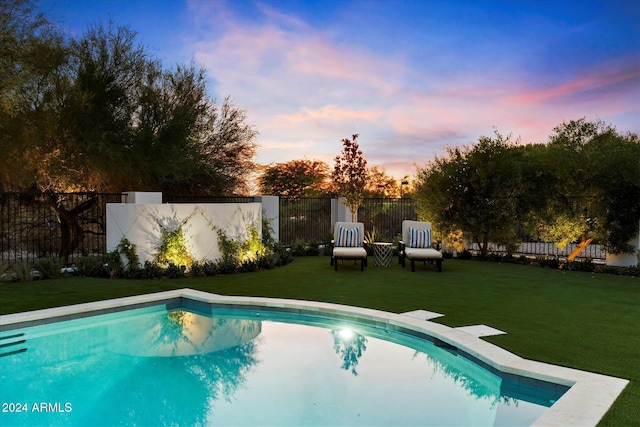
(586, 401)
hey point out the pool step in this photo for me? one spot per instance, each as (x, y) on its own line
(8, 348)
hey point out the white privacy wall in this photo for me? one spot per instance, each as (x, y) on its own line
(141, 224)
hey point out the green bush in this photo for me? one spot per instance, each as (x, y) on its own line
(298, 248)
(197, 269)
(5, 273)
(91, 266)
(22, 272)
(210, 268)
(49, 268)
(586, 265)
(175, 271)
(151, 270)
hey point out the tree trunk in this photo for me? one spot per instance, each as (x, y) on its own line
(70, 229)
(581, 247)
(485, 245)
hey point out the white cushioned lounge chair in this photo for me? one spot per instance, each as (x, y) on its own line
(348, 243)
(416, 245)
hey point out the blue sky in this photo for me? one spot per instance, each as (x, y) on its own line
(411, 77)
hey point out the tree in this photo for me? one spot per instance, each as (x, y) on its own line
(349, 174)
(596, 191)
(97, 113)
(474, 190)
(295, 179)
(100, 114)
(32, 57)
(614, 164)
(379, 184)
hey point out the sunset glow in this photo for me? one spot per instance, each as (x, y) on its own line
(410, 77)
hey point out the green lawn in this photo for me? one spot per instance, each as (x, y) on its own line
(582, 320)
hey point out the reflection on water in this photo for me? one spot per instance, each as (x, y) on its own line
(181, 333)
(349, 346)
(183, 368)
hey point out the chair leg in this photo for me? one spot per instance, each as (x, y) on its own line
(439, 265)
(335, 264)
(362, 263)
(413, 266)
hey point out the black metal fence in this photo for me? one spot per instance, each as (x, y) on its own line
(207, 199)
(305, 220)
(39, 225)
(385, 216)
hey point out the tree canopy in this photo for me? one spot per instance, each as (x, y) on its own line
(99, 113)
(473, 189)
(583, 185)
(295, 179)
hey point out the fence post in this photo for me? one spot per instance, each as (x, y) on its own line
(141, 197)
(340, 212)
(271, 211)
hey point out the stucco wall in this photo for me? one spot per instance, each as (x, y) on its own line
(141, 224)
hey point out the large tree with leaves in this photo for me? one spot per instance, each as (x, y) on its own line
(295, 179)
(379, 184)
(475, 189)
(596, 192)
(349, 174)
(97, 113)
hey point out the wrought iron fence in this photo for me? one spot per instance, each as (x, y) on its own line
(174, 198)
(385, 216)
(305, 220)
(38, 225)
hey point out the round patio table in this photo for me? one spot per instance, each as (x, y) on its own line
(382, 253)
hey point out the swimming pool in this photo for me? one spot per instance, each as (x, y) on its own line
(189, 358)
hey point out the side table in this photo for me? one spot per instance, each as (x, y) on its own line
(383, 254)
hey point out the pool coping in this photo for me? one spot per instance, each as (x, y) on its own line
(584, 404)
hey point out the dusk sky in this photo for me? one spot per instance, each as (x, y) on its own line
(411, 77)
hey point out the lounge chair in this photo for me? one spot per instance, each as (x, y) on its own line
(416, 245)
(348, 243)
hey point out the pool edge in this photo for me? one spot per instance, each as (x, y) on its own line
(589, 397)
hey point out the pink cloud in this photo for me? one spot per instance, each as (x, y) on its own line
(331, 113)
(626, 73)
(305, 90)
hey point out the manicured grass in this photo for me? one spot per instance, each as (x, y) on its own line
(581, 320)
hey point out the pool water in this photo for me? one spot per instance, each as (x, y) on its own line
(155, 366)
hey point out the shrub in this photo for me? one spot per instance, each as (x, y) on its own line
(151, 270)
(586, 265)
(4, 273)
(49, 268)
(447, 253)
(298, 248)
(464, 254)
(22, 272)
(91, 266)
(210, 268)
(197, 269)
(312, 249)
(175, 271)
(547, 261)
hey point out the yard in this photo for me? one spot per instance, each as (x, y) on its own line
(581, 320)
